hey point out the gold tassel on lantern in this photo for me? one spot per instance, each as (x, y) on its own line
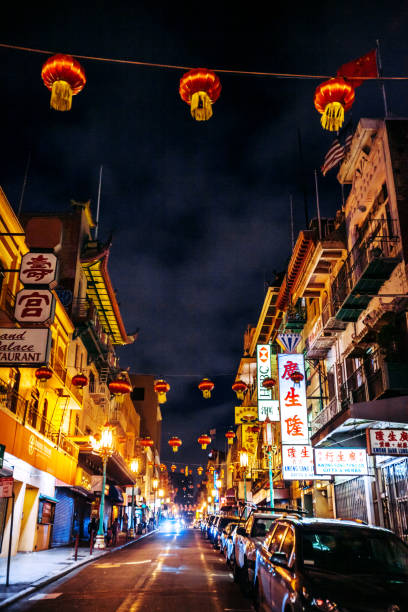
(333, 117)
(201, 107)
(61, 96)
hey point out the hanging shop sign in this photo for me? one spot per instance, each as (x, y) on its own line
(340, 461)
(39, 269)
(292, 398)
(24, 347)
(266, 405)
(6, 487)
(34, 306)
(249, 441)
(288, 341)
(392, 442)
(245, 414)
(297, 462)
(268, 408)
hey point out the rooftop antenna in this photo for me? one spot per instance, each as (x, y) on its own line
(318, 205)
(292, 232)
(23, 188)
(98, 205)
(380, 74)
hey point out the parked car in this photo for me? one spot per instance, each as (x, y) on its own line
(248, 537)
(229, 546)
(207, 525)
(310, 564)
(219, 529)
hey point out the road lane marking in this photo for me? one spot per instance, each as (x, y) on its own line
(45, 596)
(136, 562)
(104, 565)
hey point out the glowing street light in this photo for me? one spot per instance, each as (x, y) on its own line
(102, 445)
(134, 467)
(243, 460)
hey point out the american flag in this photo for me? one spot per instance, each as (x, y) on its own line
(336, 153)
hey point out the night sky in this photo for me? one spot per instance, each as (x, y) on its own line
(199, 211)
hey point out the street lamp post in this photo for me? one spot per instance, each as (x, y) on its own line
(102, 445)
(268, 440)
(134, 466)
(155, 485)
(243, 460)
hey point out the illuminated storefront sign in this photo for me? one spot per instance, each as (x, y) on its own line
(340, 461)
(266, 405)
(268, 408)
(245, 414)
(39, 269)
(34, 306)
(292, 399)
(297, 462)
(393, 442)
(24, 347)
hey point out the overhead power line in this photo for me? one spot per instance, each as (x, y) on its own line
(278, 75)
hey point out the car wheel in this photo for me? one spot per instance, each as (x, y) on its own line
(257, 597)
(244, 581)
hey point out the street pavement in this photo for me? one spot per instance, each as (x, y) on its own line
(166, 572)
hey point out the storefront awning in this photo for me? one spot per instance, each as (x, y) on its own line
(116, 495)
(377, 414)
(48, 498)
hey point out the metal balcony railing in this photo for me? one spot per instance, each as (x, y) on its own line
(83, 310)
(27, 413)
(381, 241)
(326, 415)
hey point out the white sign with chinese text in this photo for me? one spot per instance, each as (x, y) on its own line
(24, 347)
(34, 306)
(292, 399)
(268, 408)
(39, 269)
(392, 442)
(340, 461)
(297, 462)
(6, 487)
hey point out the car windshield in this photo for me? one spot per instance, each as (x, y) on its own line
(351, 551)
(224, 522)
(261, 526)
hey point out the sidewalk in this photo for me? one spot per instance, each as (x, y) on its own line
(31, 571)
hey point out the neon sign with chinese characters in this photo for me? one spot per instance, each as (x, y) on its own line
(292, 399)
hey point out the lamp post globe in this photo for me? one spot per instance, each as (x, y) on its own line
(103, 445)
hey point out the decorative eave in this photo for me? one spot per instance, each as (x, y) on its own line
(94, 263)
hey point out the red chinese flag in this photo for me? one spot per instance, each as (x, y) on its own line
(364, 66)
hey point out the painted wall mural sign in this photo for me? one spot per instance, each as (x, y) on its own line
(292, 399)
(24, 347)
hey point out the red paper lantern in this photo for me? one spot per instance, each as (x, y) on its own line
(296, 377)
(161, 387)
(332, 99)
(64, 76)
(43, 373)
(173, 468)
(200, 470)
(146, 442)
(200, 88)
(268, 383)
(175, 442)
(206, 386)
(255, 429)
(119, 387)
(162, 467)
(204, 440)
(80, 381)
(239, 387)
(230, 435)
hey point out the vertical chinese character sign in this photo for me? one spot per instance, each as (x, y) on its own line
(267, 407)
(292, 399)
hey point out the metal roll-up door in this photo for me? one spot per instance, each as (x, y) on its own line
(61, 533)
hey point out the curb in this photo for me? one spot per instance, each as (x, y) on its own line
(46, 581)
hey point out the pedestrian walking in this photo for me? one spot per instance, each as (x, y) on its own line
(115, 529)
